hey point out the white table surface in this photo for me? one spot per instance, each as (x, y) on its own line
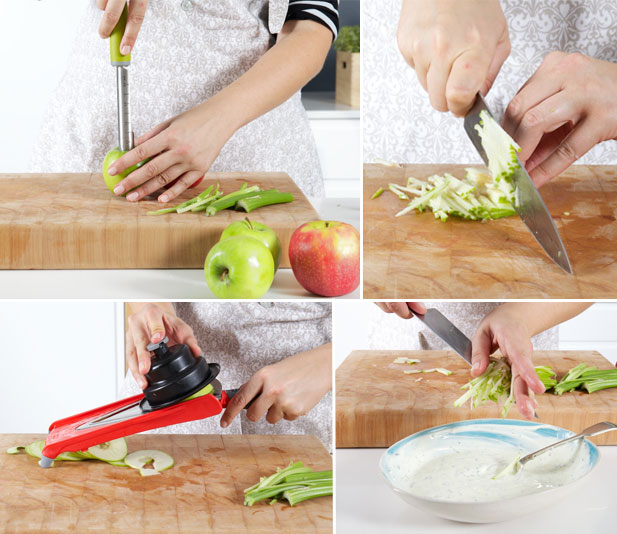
(155, 284)
(365, 504)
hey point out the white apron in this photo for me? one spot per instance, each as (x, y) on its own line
(388, 331)
(243, 338)
(400, 124)
(186, 52)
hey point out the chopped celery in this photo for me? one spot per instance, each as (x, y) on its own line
(474, 198)
(495, 384)
(377, 193)
(229, 201)
(295, 483)
(410, 361)
(441, 370)
(586, 377)
(263, 198)
(501, 152)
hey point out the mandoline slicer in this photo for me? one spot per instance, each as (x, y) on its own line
(174, 376)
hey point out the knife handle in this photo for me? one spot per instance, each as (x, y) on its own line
(117, 59)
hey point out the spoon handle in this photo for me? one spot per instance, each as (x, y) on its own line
(593, 430)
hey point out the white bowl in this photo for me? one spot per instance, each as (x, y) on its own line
(517, 433)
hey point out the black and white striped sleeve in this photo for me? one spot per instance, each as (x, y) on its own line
(324, 12)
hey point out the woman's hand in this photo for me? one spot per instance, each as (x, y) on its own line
(112, 11)
(182, 149)
(504, 329)
(402, 309)
(562, 111)
(285, 390)
(150, 323)
(456, 47)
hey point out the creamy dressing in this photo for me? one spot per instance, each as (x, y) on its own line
(462, 468)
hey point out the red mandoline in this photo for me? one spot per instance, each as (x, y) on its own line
(64, 434)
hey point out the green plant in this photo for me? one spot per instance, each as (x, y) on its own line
(348, 39)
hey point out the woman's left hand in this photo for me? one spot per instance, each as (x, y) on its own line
(503, 329)
(562, 111)
(182, 149)
(285, 390)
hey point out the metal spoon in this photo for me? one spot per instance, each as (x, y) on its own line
(593, 430)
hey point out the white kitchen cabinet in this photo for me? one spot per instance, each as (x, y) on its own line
(58, 358)
(337, 132)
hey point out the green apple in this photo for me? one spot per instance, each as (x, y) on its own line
(260, 232)
(112, 181)
(239, 267)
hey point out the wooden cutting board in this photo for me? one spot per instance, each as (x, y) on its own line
(418, 256)
(202, 493)
(72, 221)
(377, 404)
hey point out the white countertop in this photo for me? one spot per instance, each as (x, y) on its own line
(365, 504)
(172, 284)
(323, 105)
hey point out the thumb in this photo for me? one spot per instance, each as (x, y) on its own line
(154, 322)
(417, 307)
(481, 346)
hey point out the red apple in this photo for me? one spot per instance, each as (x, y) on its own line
(325, 257)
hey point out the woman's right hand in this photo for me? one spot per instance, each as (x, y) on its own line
(150, 323)
(112, 9)
(402, 309)
(456, 47)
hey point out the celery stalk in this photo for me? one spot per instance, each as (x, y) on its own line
(263, 198)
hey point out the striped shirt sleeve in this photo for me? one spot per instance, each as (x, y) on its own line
(324, 12)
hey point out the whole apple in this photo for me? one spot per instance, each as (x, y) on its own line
(240, 267)
(325, 257)
(260, 232)
(112, 181)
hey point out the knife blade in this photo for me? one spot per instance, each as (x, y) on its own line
(443, 327)
(531, 208)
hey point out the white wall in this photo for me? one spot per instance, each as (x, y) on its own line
(58, 358)
(36, 38)
(594, 329)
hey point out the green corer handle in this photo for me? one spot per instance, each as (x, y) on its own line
(117, 59)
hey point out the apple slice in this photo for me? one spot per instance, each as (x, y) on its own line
(156, 460)
(110, 451)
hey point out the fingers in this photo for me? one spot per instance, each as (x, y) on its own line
(467, 75)
(525, 404)
(547, 145)
(481, 348)
(519, 353)
(436, 80)
(155, 131)
(499, 57)
(543, 84)
(184, 182)
(417, 307)
(146, 150)
(111, 15)
(244, 395)
(131, 359)
(582, 138)
(149, 171)
(275, 414)
(137, 10)
(161, 180)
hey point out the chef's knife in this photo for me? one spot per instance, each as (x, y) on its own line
(531, 208)
(122, 62)
(439, 324)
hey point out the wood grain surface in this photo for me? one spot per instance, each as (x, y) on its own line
(377, 404)
(202, 493)
(72, 221)
(418, 256)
